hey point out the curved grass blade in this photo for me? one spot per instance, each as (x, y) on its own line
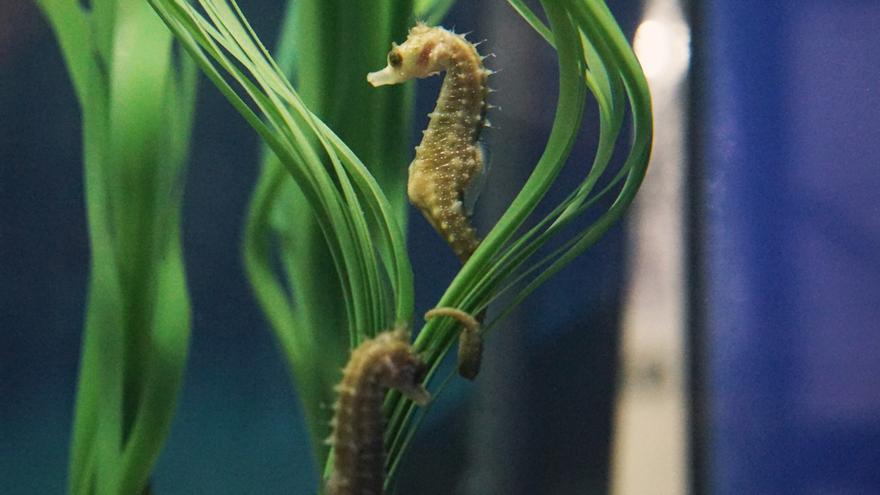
(593, 54)
(355, 226)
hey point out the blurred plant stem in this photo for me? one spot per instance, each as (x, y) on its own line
(136, 114)
(326, 48)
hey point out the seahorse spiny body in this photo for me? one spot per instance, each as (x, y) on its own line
(449, 157)
(386, 361)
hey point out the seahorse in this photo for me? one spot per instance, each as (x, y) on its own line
(385, 361)
(449, 157)
(470, 340)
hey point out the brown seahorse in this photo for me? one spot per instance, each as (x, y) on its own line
(470, 340)
(449, 157)
(383, 362)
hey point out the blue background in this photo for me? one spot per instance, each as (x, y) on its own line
(790, 150)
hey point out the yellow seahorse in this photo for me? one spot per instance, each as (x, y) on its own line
(449, 157)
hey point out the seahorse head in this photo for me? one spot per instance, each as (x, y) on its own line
(405, 373)
(418, 56)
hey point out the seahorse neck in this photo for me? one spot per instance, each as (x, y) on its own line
(460, 111)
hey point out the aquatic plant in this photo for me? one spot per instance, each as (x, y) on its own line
(329, 206)
(136, 105)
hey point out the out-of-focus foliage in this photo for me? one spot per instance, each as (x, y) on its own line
(136, 111)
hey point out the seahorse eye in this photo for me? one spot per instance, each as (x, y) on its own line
(394, 58)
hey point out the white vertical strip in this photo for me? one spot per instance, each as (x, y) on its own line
(650, 438)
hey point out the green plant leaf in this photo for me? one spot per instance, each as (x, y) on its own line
(351, 232)
(136, 114)
(354, 228)
(594, 55)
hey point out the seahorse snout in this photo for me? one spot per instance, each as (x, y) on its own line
(386, 76)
